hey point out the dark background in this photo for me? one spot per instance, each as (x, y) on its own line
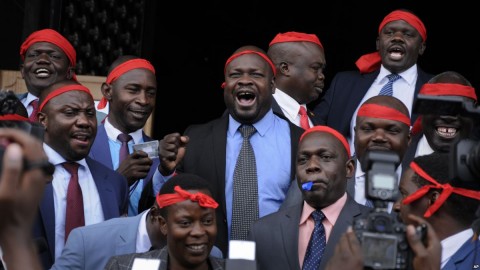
(188, 43)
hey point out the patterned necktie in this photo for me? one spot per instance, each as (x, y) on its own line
(303, 118)
(245, 188)
(124, 138)
(387, 89)
(33, 115)
(74, 212)
(317, 243)
(369, 203)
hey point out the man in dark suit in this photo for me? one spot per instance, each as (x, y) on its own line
(130, 90)
(400, 42)
(323, 165)
(67, 112)
(300, 61)
(213, 147)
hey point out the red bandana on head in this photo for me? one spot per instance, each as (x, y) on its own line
(13, 117)
(265, 57)
(181, 195)
(330, 130)
(123, 68)
(383, 112)
(443, 89)
(51, 36)
(446, 191)
(295, 37)
(370, 62)
(63, 89)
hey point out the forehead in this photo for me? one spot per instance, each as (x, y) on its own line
(248, 61)
(70, 98)
(322, 140)
(45, 46)
(399, 24)
(378, 122)
(136, 76)
(188, 208)
(407, 176)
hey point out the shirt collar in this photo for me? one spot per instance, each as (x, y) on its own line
(331, 212)
(262, 126)
(288, 104)
(56, 159)
(409, 75)
(113, 132)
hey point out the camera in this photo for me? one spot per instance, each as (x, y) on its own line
(381, 234)
(465, 154)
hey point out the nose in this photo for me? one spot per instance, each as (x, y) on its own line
(313, 166)
(142, 97)
(449, 118)
(197, 229)
(84, 120)
(43, 58)
(379, 135)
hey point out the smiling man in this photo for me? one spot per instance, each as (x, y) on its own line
(83, 191)
(48, 57)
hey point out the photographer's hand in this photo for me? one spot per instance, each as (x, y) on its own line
(427, 251)
(348, 253)
(21, 190)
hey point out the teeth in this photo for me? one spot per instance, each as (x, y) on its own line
(196, 247)
(447, 131)
(41, 70)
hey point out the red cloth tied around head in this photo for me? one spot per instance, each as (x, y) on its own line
(123, 68)
(383, 112)
(295, 37)
(443, 89)
(330, 130)
(63, 89)
(13, 117)
(370, 62)
(181, 195)
(447, 190)
(265, 57)
(50, 36)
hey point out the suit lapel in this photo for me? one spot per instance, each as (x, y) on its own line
(125, 242)
(289, 236)
(100, 177)
(219, 147)
(47, 212)
(101, 149)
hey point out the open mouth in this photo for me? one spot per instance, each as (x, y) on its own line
(42, 73)
(446, 132)
(197, 248)
(396, 53)
(245, 98)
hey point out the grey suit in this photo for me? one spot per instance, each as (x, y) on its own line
(276, 235)
(125, 262)
(90, 247)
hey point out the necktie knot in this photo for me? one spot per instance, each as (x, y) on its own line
(304, 123)
(387, 89)
(302, 111)
(247, 131)
(71, 167)
(318, 216)
(124, 137)
(393, 77)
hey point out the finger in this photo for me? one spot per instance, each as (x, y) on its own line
(11, 169)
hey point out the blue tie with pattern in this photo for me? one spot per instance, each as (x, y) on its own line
(387, 89)
(317, 243)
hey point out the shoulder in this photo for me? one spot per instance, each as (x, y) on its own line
(216, 263)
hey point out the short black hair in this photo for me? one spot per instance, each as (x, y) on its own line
(437, 166)
(186, 181)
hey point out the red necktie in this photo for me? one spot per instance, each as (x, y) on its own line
(33, 115)
(124, 138)
(303, 118)
(74, 212)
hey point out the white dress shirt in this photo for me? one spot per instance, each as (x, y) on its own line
(290, 107)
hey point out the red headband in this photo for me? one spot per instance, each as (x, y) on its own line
(295, 37)
(51, 36)
(370, 62)
(63, 89)
(13, 117)
(443, 89)
(123, 68)
(447, 190)
(272, 66)
(330, 130)
(181, 195)
(383, 112)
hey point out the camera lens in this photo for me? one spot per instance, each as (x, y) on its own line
(381, 224)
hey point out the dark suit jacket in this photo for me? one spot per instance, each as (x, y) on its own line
(410, 153)
(276, 235)
(345, 93)
(100, 151)
(467, 257)
(112, 189)
(125, 262)
(278, 110)
(206, 157)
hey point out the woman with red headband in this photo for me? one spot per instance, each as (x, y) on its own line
(186, 212)
(426, 190)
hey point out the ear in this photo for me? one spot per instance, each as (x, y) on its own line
(42, 119)
(422, 48)
(350, 167)
(21, 71)
(70, 72)
(107, 91)
(283, 67)
(163, 225)
(272, 84)
(377, 43)
(433, 197)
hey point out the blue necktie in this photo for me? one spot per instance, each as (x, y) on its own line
(317, 243)
(387, 89)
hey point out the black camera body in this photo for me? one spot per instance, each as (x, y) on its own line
(381, 234)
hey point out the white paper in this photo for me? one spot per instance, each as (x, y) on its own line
(242, 250)
(151, 148)
(145, 264)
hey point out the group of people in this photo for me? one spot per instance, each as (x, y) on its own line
(269, 170)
